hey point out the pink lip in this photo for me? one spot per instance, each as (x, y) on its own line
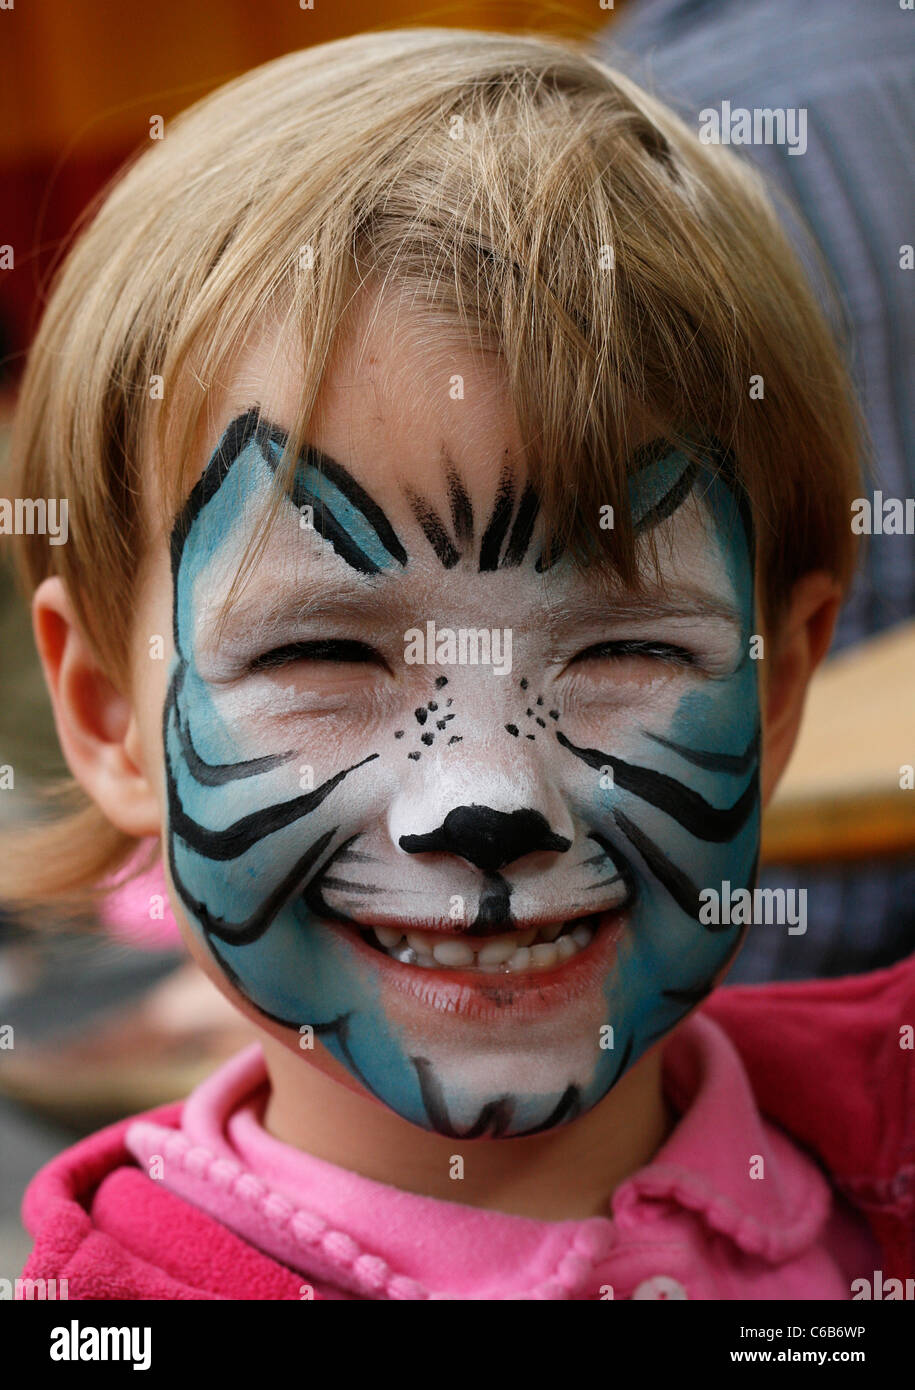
(471, 994)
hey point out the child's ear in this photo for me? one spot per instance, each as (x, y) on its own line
(797, 647)
(96, 724)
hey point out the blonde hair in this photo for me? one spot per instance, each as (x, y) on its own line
(518, 190)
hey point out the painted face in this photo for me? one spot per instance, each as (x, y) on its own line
(466, 859)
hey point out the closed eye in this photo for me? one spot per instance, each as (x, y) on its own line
(341, 651)
(628, 647)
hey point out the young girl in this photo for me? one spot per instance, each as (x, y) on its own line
(442, 599)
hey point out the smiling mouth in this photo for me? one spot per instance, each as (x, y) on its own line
(542, 947)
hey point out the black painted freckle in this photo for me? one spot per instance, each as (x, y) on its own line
(440, 681)
(432, 705)
(426, 738)
(528, 712)
(398, 733)
(421, 716)
(554, 713)
(414, 756)
(512, 729)
(448, 702)
(450, 716)
(539, 699)
(455, 738)
(524, 683)
(528, 735)
(542, 723)
(441, 723)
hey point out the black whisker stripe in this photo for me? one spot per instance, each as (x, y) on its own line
(498, 524)
(461, 508)
(565, 1109)
(604, 882)
(218, 774)
(434, 530)
(678, 884)
(494, 1117)
(684, 805)
(254, 926)
(314, 901)
(522, 528)
(238, 838)
(345, 885)
(736, 763)
(339, 1029)
(623, 868)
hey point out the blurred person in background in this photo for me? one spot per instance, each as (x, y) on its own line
(851, 68)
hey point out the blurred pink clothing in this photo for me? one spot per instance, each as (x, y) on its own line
(194, 1200)
(692, 1224)
(139, 912)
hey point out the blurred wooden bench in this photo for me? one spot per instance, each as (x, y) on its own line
(841, 797)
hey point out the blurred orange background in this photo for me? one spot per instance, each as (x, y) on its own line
(80, 79)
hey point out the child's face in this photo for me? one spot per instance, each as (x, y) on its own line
(538, 834)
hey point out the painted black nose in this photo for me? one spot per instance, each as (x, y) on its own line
(487, 838)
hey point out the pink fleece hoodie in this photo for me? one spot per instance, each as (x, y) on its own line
(230, 1212)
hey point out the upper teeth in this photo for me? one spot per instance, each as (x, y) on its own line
(536, 948)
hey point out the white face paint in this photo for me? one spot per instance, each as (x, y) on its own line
(479, 890)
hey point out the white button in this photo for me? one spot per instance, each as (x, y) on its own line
(661, 1286)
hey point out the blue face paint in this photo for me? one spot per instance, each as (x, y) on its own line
(283, 875)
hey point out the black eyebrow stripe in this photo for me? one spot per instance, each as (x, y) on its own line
(234, 440)
(327, 525)
(434, 530)
(672, 500)
(237, 435)
(495, 531)
(548, 557)
(461, 508)
(361, 500)
(523, 528)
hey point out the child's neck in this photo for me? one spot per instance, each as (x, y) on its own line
(566, 1173)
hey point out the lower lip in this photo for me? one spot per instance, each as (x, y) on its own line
(503, 995)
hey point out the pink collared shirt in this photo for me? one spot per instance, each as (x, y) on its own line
(729, 1207)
